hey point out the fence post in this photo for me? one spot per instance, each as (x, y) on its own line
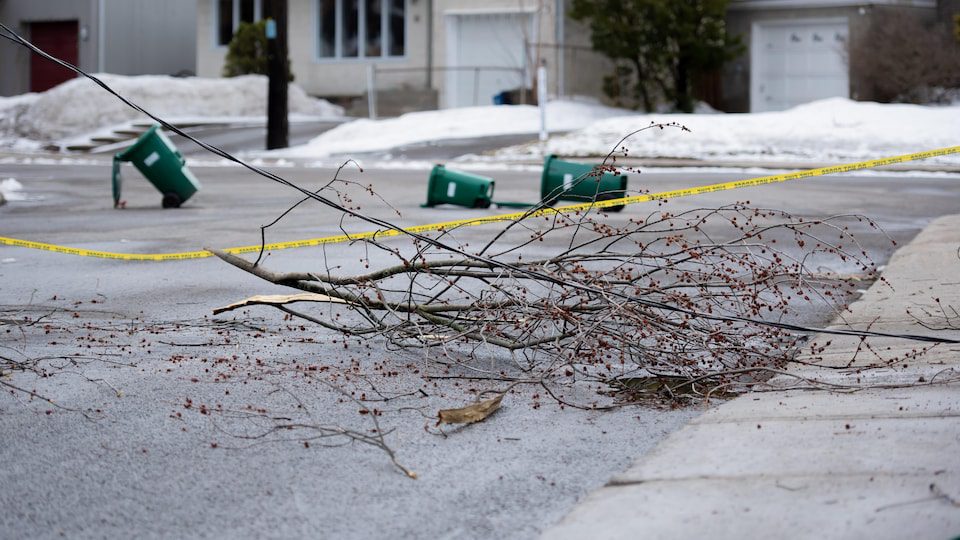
(372, 91)
(476, 86)
(523, 85)
(542, 98)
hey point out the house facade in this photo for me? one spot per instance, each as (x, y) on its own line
(419, 53)
(127, 37)
(423, 54)
(800, 51)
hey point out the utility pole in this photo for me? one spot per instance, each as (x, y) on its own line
(278, 127)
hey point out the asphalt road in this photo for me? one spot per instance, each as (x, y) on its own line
(179, 404)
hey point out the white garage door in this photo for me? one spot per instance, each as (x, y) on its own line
(488, 40)
(794, 62)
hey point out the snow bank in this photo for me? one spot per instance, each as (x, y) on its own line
(418, 127)
(80, 106)
(826, 131)
(11, 111)
(830, 130)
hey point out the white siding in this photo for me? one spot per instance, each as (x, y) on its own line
(322, 76)
(149, 37)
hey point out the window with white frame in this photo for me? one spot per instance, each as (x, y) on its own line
(362, 28)
(230, 13)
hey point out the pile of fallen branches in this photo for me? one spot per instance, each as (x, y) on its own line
(582, 297)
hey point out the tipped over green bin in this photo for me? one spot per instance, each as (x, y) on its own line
(159, 161)
(458, 188)
(579, 182)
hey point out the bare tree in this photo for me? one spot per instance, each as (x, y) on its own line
(905, 58)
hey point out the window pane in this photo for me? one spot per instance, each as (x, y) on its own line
(374, 41)
(351, 30)
(328, 28)
(224, 21)
(397, 27)
(246, 10)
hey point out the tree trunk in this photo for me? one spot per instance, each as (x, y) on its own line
(642, 86)
(682, 99)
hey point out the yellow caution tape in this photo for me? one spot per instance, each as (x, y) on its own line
(448, 225)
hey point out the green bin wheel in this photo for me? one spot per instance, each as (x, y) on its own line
(171, 200)
(482, 203)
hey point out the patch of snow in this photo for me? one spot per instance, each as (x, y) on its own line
(463, 123)
(12, 190)
(699, 107)
(11, 102)
(11, 110)
(825, 131)
(80, 106)
(931, 95)
(20, 145)
(702, 107)
(222, 162)
(10, 160)
(424, 165)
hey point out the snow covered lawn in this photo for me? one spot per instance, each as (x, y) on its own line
(464, 123)
(827, 131)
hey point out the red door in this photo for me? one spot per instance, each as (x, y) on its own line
(59, 39)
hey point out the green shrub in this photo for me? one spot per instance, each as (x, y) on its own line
(247, 52)
(668, 44)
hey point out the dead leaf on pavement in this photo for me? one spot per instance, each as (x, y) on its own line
(280, 299)
(473, 413)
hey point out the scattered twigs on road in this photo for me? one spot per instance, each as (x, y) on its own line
(938, 318)
(261, 426)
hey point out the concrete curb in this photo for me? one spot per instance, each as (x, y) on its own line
(877, 463)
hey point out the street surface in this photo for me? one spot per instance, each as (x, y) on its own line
(170, 432)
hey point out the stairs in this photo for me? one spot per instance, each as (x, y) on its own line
(108, 142)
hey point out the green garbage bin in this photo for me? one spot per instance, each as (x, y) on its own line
(160, 162)
(579, 182)
(459, 188)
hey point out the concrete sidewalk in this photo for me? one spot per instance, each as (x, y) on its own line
(877, 463)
